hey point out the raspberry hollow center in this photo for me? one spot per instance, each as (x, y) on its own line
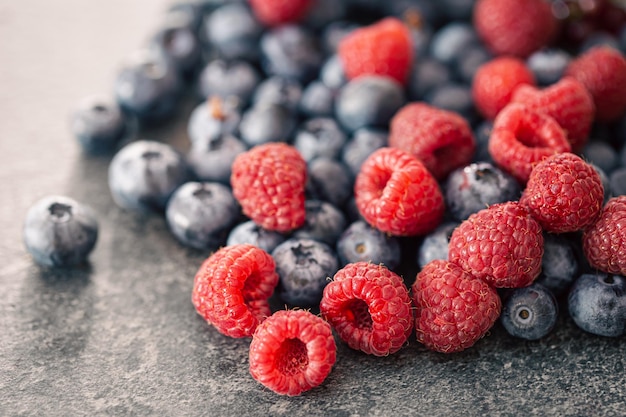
(358, 313)
(292, 357)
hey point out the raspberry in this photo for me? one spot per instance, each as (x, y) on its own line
(604, 243)
(513, 27)
(396, 194)
(292, 351)
(269, 182)
(276, 12)
(495, 81)
(568, 102)
(442, 140)
(522, 137)
(369, 307)
(383, 48)
(232, 287)
(602, 70)
(502, 245)
(453, 310)
(564, 193)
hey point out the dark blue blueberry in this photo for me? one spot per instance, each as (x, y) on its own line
(212, 160)
(360, 242)
(559, 264)
(362, 144)
(477, 186)
(227, 79)
(622, 40)
(368, 101)
(144, 174)
(201, 214)
(529, 313)
(211, 120)
(100, 125)
(233, 31)
(252, 233)
(319, 137)
(599, 38)
(304, 267)
(318, 100)
(324, 12)
(334, 33)
(617, 181)
(548, 65)
(284, 91)
(352, 211)
(411, 10)
(332, 74)
(456, 98)
(435, 244)
(148, 86)
(451, 40)
(455, 9)
(427, 75)
(178, 43)
(421, 36)
(469, 61)
(606, 183)
(265, 123)
(482, 133)
(328, 180)
(60, 231)
(601, 154)
(291, 51)
(324, 222)
(597, 304)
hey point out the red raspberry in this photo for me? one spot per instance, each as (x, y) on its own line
(276, 12)
(232, 287)
(514, 27)
(269, 182)
(496, 80)
(383, 48)
(602, 70)
(369, 307)
(292, 351)
(568, 102)
(396, 194)
(604, 243)
(564, 193)
(442, 140)
(502, 245)
(453, 309)
(522, 137)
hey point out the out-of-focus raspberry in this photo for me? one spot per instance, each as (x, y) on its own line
(276, 12)
(604, 242)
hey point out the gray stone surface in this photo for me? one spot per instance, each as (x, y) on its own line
(120, 337)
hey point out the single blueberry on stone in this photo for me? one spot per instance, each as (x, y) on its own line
(530, 312)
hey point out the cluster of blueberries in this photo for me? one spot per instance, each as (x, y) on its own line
(254, 85)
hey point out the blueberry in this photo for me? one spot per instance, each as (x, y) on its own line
(212, 162)
(360, 242)
(319, 137)
(228, 79)
(601, 154)
(368, 101)
(469, 61)
(265, 123)
(427, 75)
(324, 12)
(60, 231)
(201, 214)
(144, 174)
(211, 120)
(304, 267)
(252, 233)
(559, 264)
(451, 40)
(178, 43)
(99, 125)
(482, 133)
(279, 90)
(324, 222)
(148, 86)
(599, 38)
(529, 313)
(597, 304)
(328, 180)
(291, 51)
(455, 98)
(332, 74)
(455, 9)
(334, 33)
(435, 244)
(617, 181)
(317, 100)
(548, 65)
(233, 31)
(477, 186)
(606, 182)
(362, 144)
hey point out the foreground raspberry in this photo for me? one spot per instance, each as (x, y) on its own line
(292, 352)
(276, 12)
(453, 309)
(564, 193)
(568, 102)
(502, 245)
(384, 48)
(232, 287)
(442, 140)
(604, 243)
(522, 137)
(602, 70)
(396, 194)
(513, 27)
(269, 182)
(496, 80)
(369, 307)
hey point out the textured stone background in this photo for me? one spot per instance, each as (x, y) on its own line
(120, 337)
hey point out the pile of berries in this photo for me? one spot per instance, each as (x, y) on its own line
(330, 136)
